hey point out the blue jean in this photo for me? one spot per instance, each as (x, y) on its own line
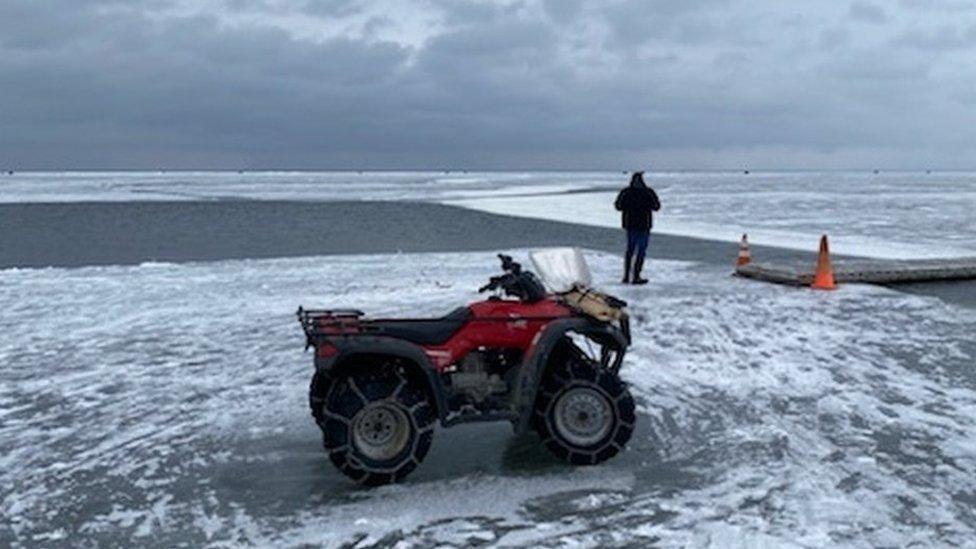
(637, 244)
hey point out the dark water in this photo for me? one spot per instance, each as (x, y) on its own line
(110, 233)
(121, 233)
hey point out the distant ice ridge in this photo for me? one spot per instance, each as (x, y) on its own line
(166, 405)
(890, 215)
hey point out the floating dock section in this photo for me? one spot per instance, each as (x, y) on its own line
(867, 271)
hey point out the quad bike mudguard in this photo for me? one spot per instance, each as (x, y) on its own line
(411, 353)
(534, 365)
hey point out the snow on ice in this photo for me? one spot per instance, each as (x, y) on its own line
(166, 404)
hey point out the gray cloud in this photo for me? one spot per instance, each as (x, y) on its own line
(944, 37)
(868, 12)
(939, 5)
(463, 83)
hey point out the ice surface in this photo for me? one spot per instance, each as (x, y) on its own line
(131, 186)
(895, 216)
(891, 215)
(166, 404)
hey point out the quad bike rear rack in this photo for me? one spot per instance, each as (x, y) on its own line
(325, 322)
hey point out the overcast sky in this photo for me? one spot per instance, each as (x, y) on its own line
(569, 84)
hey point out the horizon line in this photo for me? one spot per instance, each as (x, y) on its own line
(742, 171)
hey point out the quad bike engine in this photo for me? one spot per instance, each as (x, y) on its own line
(482, 373)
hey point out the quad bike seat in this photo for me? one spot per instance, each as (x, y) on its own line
(425, 332)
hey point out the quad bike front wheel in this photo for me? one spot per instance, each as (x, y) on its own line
(377, 427)
(584, 413)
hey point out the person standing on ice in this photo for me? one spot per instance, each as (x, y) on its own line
(636, 203)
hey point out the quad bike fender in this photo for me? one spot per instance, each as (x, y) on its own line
(537, 358)
(412, 357)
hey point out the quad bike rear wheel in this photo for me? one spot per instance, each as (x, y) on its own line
(584, 413)
(377, 426)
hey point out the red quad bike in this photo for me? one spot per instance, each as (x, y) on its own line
(538, 360)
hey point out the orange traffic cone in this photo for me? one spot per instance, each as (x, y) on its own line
(745, 256)
(823, 278)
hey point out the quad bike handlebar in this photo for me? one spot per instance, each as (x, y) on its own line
(493, 284)
(509, 265)
(515, 282)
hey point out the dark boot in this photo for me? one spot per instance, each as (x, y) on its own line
(638, 266)
(627, 259)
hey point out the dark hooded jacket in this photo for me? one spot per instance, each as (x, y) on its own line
(636, 204)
